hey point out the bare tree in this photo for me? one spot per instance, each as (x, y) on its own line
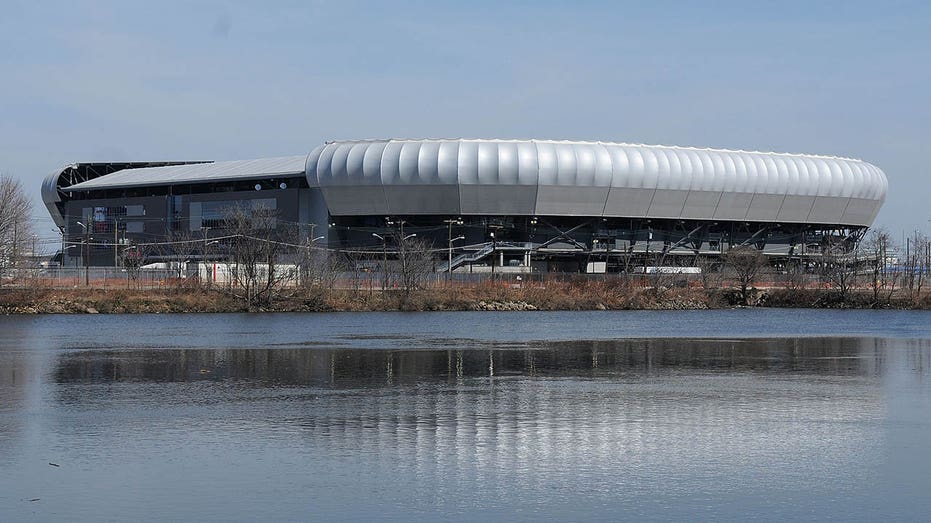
(626, 266)
(747, 263)
(917, 263)
(794, 274)
(259, 250)
(132, 258)
(877, 248)
(923, 248)
(319, 269)
(415, 262)
(710, 274)
(840, 263)
(179, 248)
(15, 226)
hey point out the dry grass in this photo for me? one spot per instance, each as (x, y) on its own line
(573, 294)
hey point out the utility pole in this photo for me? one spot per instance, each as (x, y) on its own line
(450, 240)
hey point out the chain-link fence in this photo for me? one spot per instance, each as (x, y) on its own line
(68, 277)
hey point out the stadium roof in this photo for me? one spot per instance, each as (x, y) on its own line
(563, 178)
(198, 173)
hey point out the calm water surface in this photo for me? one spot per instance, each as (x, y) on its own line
(738, 415)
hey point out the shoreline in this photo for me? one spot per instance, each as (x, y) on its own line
(95, 300)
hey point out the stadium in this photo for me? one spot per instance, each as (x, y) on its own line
(481, 205)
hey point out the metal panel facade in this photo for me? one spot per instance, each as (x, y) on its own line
(536, 177)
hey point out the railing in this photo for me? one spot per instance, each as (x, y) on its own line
(467, 257)
(485, 250)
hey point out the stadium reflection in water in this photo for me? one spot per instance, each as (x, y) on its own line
(353, 368)
(644, 429)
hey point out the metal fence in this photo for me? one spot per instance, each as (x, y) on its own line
(68, 277)
(221, 276)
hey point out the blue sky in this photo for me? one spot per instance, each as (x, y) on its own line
(97, 81)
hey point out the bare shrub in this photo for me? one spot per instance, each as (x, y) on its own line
(877, 248)
(746, 263)
(415, 262)
(259, 248)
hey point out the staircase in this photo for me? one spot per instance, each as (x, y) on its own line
(467, 257)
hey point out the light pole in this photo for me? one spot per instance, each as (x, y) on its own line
(494, 247)
(384, 266)
(402, 253)
(62, 233)
(86, 254)
(495, 228)
(308, 256)
(449, 238)
(449, 265)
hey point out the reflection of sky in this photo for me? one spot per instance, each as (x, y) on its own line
(793, 429)
(24, 360)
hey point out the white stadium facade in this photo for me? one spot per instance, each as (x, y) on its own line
(529, 205)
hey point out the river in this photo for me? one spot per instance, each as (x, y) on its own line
(727, 415)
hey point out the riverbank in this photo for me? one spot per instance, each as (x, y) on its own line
(592, 296)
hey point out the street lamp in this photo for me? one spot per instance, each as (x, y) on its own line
(86, 254)
(384, 266)
(402, 251)
(449, 265)
(449, 237)
(61, 264)
(494, 247)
